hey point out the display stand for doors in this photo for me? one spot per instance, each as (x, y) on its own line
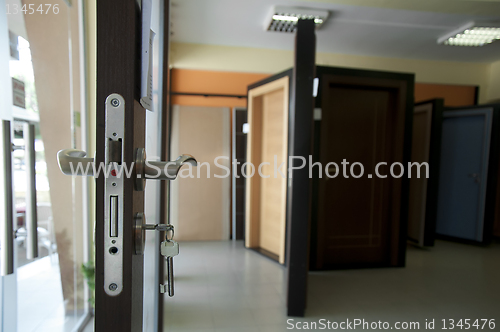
(395, 92)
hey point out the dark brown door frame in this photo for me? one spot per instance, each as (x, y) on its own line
(433, 180)
(118, 37)
(299, 189)
(118, 71)
(165, 143)
(239, 117)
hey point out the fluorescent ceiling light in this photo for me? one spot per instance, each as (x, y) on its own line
(472, 34)
(284, 19)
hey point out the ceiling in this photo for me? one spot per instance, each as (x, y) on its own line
(389, 28)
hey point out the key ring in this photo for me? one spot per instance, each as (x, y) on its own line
(166, 234)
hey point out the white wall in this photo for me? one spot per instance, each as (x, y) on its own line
(243, 59)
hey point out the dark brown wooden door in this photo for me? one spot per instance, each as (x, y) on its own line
(119, 295)
(360, 219)
(238, 183)
(426, 148)
(118, 60)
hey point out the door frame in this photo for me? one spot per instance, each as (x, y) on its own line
(428, 227)
(119, 32)
(118, 71)
(253, 195)
(286, 73)
(236, 228)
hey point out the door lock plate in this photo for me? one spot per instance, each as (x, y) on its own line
(113, 193)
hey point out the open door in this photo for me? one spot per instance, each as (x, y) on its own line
(267, 145)
(468, 173)
(426, 146)
(128, 275)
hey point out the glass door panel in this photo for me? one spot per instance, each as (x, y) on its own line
(51, 293)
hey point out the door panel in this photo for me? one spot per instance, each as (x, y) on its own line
(463, 173)
(422, 118)
(8, 276)
(200, 207)
(359, 221)
(273, 128)
(51, 226)
(266, 197)
(117, 72)
(426, 146)
(354, 234)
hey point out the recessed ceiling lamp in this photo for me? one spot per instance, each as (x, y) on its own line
(472, 34)
(284, 19)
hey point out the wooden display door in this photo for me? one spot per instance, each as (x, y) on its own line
(426, 147)
(366, 118)
(267, 145)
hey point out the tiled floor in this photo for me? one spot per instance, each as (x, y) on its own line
(40, 299)
(220, 286)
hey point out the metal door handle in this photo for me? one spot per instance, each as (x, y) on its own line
(73, 162)
(6, 202)
(159, 170)
(168, 170)
(31, 217)
(332, 170)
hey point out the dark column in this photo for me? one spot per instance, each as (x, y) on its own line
(300, 144)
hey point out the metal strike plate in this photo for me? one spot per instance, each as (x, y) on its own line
(113, 193)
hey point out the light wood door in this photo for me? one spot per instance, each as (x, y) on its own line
(267, 145)
(200, 206)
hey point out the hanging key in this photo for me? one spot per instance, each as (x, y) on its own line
(169, 249)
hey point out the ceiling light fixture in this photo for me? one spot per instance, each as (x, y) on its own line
(284, 19)
(472, 34)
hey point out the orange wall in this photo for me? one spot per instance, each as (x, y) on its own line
(217, 82)
(453, 95)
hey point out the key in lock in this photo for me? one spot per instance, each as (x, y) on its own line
(169, 249)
